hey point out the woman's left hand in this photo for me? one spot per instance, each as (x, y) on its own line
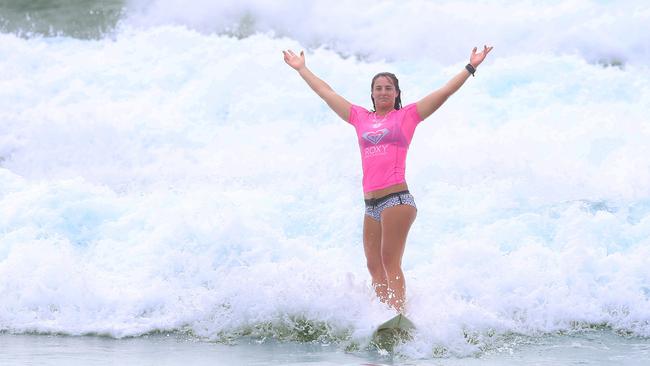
(476, 58)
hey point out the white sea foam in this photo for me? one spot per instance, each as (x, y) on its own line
(600, 31)
(171, 179)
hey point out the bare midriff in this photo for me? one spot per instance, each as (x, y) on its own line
(385, 191)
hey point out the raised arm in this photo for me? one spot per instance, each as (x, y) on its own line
(335, 101)
(429, 104)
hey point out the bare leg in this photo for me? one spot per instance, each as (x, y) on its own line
(395, 224)
(372, 248)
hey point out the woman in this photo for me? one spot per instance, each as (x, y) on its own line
(384, 136)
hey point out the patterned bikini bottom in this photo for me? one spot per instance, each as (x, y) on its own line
(375, 206)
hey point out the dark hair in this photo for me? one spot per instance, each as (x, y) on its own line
(393, 78)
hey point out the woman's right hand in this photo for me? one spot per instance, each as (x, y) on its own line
(293, 60)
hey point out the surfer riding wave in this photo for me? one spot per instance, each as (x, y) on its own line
(384, 135)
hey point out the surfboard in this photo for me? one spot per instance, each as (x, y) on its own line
(397, 329)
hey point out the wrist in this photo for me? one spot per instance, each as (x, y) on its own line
(470, 68)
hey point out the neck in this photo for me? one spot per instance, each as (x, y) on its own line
(383, 111)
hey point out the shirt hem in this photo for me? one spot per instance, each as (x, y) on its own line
(383, 186)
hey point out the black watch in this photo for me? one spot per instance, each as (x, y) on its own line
(470, 68)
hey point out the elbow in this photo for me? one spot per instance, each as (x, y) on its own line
(447, 92)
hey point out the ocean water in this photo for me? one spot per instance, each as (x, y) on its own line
(163, 171)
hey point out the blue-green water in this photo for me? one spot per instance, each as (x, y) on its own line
(589, 349)
(76, 18)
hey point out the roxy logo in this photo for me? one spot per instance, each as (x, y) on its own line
(375, 136)
(375, 150)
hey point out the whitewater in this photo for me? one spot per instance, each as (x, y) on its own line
(174, 175)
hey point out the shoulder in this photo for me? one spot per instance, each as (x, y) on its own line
(358, 109)
(410, 111)
(409, 114)
(357, 113)
(409, 108)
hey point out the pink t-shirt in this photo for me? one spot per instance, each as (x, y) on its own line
(384, 142)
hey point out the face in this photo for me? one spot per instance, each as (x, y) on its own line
(384, 93)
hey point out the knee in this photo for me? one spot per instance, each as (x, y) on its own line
(391, 263)
(375, 268)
